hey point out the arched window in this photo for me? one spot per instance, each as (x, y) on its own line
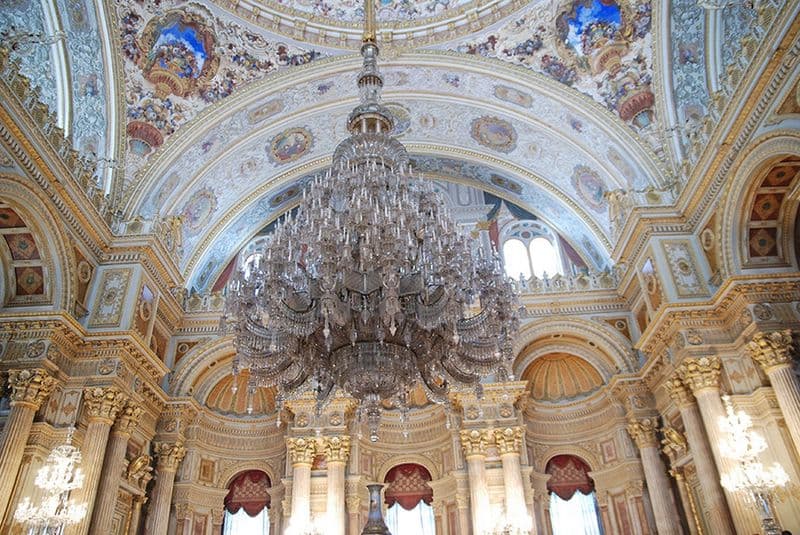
(573, 503)
(247, 505)
(530, 248)
(409, 498)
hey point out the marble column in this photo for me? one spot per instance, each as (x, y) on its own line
(719, 516)
(353, 503)
(474, 443)
(218, 517)
(169, 457)
(29, 389)
(701, 376)
(337, 451)
(102, 405)
(301, 452)
(509, 442)
(643, 432)
(113, 466)
(773, 352)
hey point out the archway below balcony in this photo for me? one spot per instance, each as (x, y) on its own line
(247, 504)
(408, 498)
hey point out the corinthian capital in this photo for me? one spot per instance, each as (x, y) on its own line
(301, 450)
(508, 440)
(128, 418)
(337, 449)
(678, 392)
(170, 455)
(700, 373)
(474, 441)
(30, 387)
(771, 349)
(104, 403)
(643, 432)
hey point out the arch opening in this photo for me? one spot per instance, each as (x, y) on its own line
(247, 504)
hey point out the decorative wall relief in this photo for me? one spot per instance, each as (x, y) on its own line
(107, 306)
(683, 267)
(198, 210)
(651, 284)
(494, 133)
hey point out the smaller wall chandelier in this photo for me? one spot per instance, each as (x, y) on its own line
(370, 288)
(748, 475)
(56, 478)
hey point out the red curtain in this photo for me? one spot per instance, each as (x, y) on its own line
(568, 474)
(248, 491)
(408, 485)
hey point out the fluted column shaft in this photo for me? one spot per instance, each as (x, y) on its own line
(113, 465)
(509, 442)
(773, 352)
(102, 406)
(478, 493)
(701, 375)
(301, 452)
(169, 457)
(29, 389)
(719, 516)
(337, 451)
(643, 432)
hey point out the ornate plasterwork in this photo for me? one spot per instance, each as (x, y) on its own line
(688, 61)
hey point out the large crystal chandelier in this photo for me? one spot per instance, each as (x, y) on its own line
(748, 475)
(59, 475)
(370, 287)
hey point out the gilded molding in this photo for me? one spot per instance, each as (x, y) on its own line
(103, 404)
(128, 419)
(475, 441)
(509, 440)
(336, 449)
(772, 350)
(678, 391)
(301, 450)
(701, 373)
(643, 432)
(169, 454)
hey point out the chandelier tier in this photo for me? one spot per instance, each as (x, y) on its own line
(370, 287)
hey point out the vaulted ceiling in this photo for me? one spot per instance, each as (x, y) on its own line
(218, 112)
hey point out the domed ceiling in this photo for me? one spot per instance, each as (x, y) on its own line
(561, 376)
(219, 111)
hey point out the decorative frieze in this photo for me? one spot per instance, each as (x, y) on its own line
(103, 403)
(30, 387)
(771, 349)
(700, 373)
(301, 450)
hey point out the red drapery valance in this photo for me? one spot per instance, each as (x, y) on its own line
(248, 491)
(408, 485)
(568, 474)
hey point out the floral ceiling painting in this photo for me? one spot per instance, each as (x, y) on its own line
(181, 58)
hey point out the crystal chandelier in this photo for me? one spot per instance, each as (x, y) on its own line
(748, 475)
(59, 475)
(370, 287)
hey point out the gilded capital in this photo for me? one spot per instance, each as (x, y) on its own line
(474, 441)
(337, 449)
(700, 373)
(678, 391)
(508, 440)
(301, 450)
(128, 419)
(643, 432)
(104, 403)
(771, 349)
(170, 455)
(353, 504)
(30, 387)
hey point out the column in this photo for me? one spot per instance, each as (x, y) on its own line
(719, 517)
(301, 451)
(773, 352)
(183, 518)
(337, 451)
(113, 465)
(217, 518)
(643, 432)
(169, 456)
(102, 405)
(353, 502)
(701, 376)
(509, 442)
(474, 442)
(29, 389)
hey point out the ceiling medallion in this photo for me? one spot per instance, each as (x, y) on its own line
(370, 287)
